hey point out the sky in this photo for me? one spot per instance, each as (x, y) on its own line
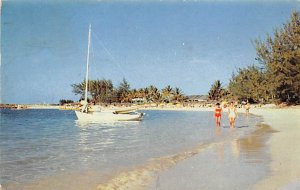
(179, 43)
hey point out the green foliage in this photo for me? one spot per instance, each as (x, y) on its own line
(178, 95)
(63, 101)
(123, 91)
(102, 91)
(279, 78)
(280, 56)
(79, 89)
(249, 84)
(99, 90)
(167, 93)
(216, 91)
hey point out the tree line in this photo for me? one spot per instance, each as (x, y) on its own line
(276, 75)
(63, 101)
(103, 91)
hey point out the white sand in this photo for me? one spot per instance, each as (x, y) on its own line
(284, 148)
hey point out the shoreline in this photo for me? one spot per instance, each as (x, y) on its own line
(221, 165)
(284, 151)
(284, 163)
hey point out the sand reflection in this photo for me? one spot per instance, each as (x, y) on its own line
(218, 131)
(235, 147)
(220, 151)
(253, 146)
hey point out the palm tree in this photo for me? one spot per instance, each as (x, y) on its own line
(134, 93)
(167, 93)
(123, 90)
(157, 97)
(178, 96)
(152, 92)
(216, 91)
(140, 93)
(147, 94)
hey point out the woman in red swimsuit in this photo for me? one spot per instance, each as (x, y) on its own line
(218, 114)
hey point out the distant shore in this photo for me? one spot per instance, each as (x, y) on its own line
(29, 106)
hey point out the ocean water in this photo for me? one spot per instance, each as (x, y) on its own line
(49, 148)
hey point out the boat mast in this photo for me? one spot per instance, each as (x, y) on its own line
(84, 109)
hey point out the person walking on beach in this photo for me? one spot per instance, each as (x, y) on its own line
(232, 114)
(218, 113)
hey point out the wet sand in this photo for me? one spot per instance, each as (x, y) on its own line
(284, 149)
(237, 164)
(140, 177)
(64, 180)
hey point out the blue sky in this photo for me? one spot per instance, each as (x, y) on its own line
(184, 44)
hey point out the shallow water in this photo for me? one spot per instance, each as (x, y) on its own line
(48, 147)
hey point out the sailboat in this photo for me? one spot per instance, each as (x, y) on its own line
(102, 115)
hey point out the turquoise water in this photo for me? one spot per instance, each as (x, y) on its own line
(36, 144)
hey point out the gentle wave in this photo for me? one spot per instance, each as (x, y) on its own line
(139, 177)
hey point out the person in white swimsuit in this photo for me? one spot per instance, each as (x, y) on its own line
(232, 114)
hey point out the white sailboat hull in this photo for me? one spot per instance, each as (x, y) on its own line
(107, 116)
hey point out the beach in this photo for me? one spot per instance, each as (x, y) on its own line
(247, 157)
(284, 151)
(274, 148)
